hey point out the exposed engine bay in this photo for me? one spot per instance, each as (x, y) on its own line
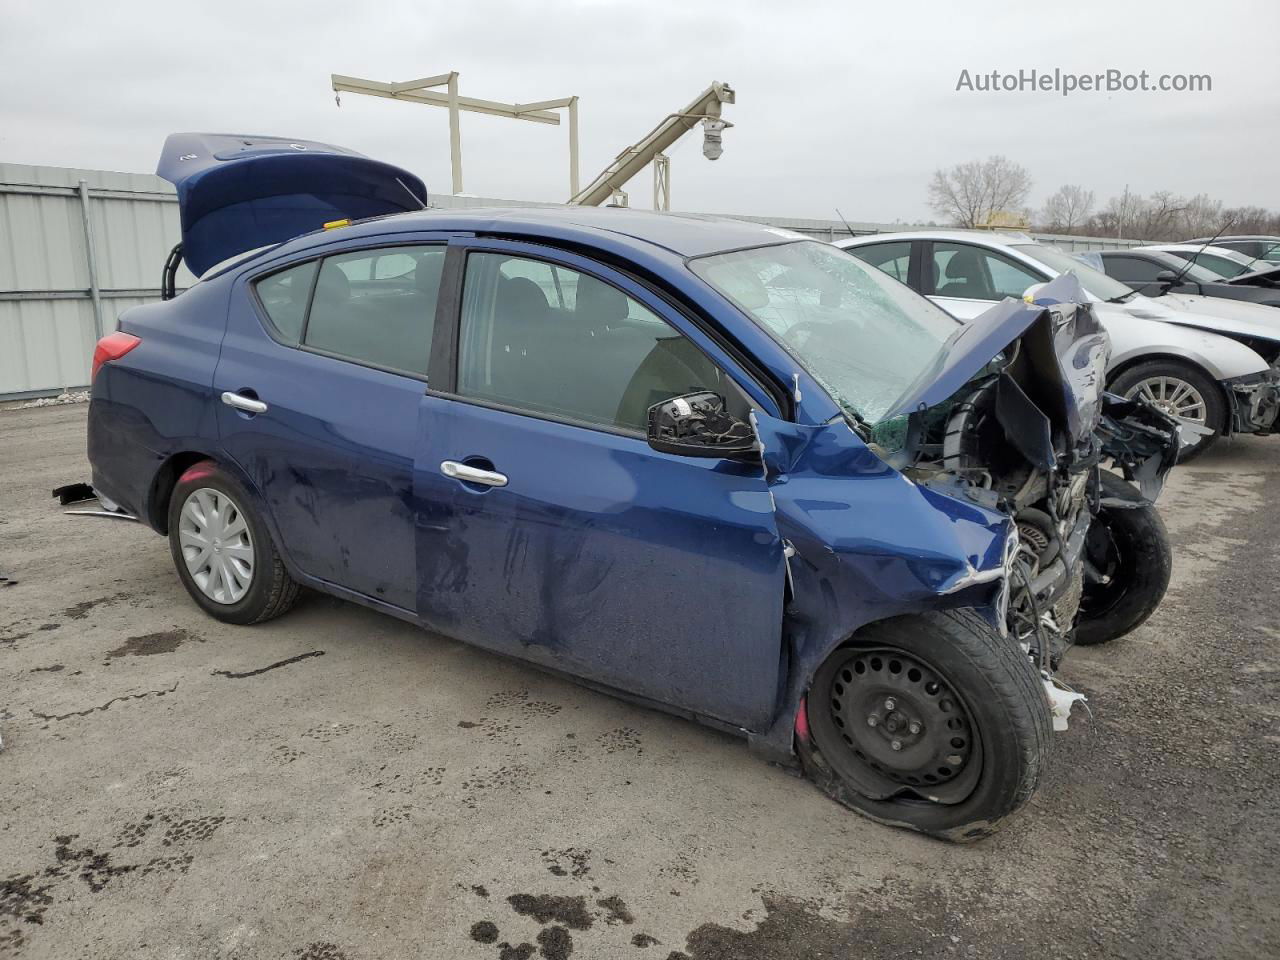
(1027, 436)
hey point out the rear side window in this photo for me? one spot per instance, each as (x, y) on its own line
(377, 307)
(284, 295)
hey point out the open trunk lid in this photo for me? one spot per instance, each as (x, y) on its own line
(237, 192)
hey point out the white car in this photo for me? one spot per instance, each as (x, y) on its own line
(1209, 379)
(1223, 261)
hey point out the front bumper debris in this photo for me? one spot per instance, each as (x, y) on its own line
(1256, 402)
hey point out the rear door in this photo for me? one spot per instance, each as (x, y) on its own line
(551, 530)
(331, 356)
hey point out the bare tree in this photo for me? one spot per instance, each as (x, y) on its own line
(971, 194)
(1204, 217)
(1068, 208)
(1121, 216)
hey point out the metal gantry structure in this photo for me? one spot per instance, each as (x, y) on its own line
(425, 91)
(607, 187)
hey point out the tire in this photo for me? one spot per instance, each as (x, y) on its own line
(973, 693)
(1216, 413)
(263, 592)
(1130, 546)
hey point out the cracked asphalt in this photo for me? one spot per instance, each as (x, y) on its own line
(337, 785)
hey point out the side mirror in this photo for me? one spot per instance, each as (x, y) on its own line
(698, 425)
(1167, 277)
(1029, 295)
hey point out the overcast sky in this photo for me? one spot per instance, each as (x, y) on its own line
(848, 104)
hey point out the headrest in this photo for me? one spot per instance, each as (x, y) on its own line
(522, 297)
(964, 264)
(598, 304)
(333, 285)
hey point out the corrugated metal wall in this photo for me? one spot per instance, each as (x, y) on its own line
(47, 317)
(48, 324)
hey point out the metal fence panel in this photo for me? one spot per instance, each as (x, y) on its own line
(48, 324)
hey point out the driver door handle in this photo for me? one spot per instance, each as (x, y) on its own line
(247, 404)
(460, 471)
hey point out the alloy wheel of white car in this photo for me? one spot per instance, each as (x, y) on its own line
(216, 545)
(1174, 396)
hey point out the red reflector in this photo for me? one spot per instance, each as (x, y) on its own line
(112, 347)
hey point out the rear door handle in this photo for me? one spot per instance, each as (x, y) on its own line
(460, 471)
(247, 404)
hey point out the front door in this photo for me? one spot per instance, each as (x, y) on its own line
(335, 351)
(551, 530)
(965, 280)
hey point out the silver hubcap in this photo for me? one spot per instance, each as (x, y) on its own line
(216, 545)
(1175, 397)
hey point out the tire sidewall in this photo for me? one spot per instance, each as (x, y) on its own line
(208, 475)
(1146, 561)
(1008, 745)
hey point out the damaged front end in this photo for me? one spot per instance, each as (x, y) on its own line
(1256, 402)
(1027, 437)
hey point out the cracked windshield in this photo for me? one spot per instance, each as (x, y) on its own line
(864, 336)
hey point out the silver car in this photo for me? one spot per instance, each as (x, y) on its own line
(1215, 383)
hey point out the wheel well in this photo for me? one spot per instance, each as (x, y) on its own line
(162, 487)
(1173, 358)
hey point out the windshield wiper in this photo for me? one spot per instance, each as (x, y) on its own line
(1123, 297)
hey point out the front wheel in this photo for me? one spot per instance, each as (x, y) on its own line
(932, 722)
(1130, 563)
(1182, 391)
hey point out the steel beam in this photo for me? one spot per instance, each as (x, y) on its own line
(493, 107)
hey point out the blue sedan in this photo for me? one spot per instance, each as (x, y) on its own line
(718, 468)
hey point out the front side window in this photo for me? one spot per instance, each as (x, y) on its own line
(864, 337)
(972, 273)
(1133, 269)
(377, 307)
(284, 296)
(545, 339)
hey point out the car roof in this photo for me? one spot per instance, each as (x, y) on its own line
(991, 238)
(1242, 236)
(1196, 248)
(1152, 253)
(686, 235)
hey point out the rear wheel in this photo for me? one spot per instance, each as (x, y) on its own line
(1182, 391)
(1130, 563)
(933, 722)
(222, 550)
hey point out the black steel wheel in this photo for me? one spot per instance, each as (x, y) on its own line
(902, 724)
(933, 722)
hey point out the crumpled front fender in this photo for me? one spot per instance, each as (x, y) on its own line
(868, 544)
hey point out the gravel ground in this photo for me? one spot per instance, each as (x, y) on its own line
(337, 784)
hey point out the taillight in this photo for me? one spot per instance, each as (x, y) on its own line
(112, 347)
